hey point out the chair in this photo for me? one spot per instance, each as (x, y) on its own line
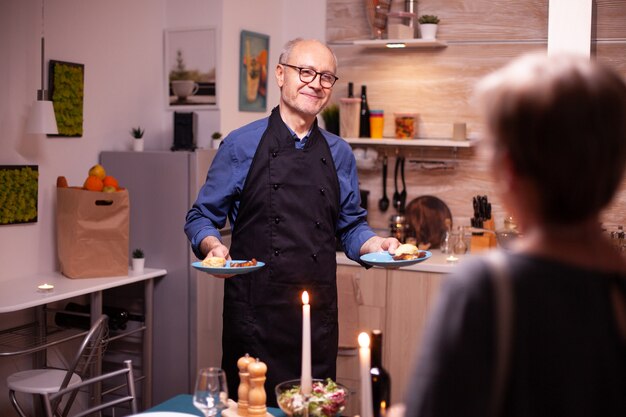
(51, 399)
(50, 380)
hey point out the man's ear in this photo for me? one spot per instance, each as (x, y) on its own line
(280, 75)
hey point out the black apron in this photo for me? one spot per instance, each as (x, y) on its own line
(287, 216)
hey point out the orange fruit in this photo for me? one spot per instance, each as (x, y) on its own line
(93, 183)
(110, 181)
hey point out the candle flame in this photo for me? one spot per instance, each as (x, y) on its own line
(305, 297)
(364, 340)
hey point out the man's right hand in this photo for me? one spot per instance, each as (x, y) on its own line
(211, 246)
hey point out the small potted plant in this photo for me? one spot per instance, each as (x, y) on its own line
(330, 114)
(216, 136)
(138, 261)
(137, 134)
(428, 26)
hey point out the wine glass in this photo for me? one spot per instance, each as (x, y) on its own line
(211, 393)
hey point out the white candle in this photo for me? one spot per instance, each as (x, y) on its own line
(366, 381)
(452, 259)
(46, 287)
(305, 378)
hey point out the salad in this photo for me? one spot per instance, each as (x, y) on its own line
(327, 399)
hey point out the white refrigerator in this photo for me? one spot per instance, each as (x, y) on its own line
(162, 186)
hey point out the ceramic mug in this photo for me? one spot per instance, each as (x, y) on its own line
(184, 88)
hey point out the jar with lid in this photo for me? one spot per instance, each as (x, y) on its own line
(399, 227)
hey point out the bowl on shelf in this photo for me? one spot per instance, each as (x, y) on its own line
(327, 399)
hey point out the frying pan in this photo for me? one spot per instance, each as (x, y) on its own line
(427, 215)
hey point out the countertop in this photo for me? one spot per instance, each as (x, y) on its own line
(436, 263)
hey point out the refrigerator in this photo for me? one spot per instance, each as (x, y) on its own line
(162, 186)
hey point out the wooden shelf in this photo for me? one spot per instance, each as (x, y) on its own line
(401, 43)
(442, 143)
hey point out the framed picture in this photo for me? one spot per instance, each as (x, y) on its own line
(190, 68)
(19, 185)
(66, 86)
(253, 57)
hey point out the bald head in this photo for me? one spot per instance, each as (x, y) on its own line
(299, 43)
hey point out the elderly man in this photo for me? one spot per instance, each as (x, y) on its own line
(289, 189)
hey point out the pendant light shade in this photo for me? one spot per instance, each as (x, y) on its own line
(41, 119)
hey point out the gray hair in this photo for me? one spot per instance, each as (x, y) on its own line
(288, 48)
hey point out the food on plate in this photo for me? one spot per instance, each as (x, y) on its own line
(407, 252)
(251, 262)
(328, 399)
(214, 262)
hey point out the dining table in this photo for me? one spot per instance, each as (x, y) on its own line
(183, 404)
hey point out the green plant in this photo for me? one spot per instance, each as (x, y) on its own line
(330, 114)
(138, 254)
(428, 18)
(137, 132)
(216, 135)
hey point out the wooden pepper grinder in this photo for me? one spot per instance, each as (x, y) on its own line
(257, 397)
(244, 384)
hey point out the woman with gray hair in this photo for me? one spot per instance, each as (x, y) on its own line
(556, 132)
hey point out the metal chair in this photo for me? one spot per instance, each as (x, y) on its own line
(51, 399)
(49, 380)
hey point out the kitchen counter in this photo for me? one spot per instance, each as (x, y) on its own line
(436, 263)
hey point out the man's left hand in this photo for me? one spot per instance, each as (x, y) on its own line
(377, 244)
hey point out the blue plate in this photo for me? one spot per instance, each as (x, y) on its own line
(384, 260)
(227, 269)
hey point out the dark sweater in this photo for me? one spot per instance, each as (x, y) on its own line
(567, 357)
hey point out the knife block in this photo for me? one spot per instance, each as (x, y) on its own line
(487, 241)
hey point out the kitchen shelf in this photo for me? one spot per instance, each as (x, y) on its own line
(442, 143)
(401, 43)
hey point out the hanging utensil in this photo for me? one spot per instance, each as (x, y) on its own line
(383, 203)
(403, 192)
(396, 193)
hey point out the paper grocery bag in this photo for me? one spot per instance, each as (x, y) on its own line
(92, 232)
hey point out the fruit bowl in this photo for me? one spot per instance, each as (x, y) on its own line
(327, 399)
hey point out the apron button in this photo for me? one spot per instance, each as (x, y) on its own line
(276, 186)
(317, 224)
(322, 191)
(276, 252)
(274, 154)
(314, 257)
(323, 161)
(277, 220)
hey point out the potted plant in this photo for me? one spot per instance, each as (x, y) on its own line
(137, 134)
(428, 26)
(138, 261)
(216, 136)
(330, 114)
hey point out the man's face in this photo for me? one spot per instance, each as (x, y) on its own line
(305, 99)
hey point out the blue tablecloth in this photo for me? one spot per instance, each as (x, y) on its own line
(184, 404)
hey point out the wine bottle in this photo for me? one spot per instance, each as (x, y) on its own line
(350, 89)
(77, 315)
(364, 120)
(381, 382)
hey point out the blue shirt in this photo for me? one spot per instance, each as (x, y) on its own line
(220, 196)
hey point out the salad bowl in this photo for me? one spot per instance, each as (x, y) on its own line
(327, 398)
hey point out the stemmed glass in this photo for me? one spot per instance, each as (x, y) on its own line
(211, 393)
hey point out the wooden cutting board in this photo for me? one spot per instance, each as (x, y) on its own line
(426, 216)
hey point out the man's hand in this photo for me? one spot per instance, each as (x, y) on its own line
(377, 244)
(212, 246)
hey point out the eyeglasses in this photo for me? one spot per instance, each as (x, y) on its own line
(307, 75)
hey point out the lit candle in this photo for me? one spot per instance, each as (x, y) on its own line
(305, 377)
(452, 259)
(46, 287)
(366, 381)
